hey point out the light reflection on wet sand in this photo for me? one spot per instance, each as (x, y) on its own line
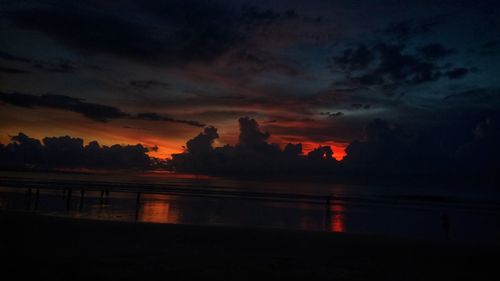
(158, 209)
(154, 211)
(337, 218)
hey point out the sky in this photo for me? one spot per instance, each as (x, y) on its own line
(315, 72)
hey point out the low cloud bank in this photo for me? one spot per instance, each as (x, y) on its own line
(69, 152)
(386, 152)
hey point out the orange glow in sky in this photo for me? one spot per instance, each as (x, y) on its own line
(337, 147)
(169, 140)
(165, 151)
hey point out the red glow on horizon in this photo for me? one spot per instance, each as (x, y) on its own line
(338, 148)
(149, 137)
(166, 147)
(159, 174)
(307, 146)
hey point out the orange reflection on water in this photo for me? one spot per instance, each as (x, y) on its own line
(337, 218)
(157, 209)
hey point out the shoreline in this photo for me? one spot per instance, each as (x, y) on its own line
(411, 180)
(60, 248)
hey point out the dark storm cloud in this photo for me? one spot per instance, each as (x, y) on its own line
(356, 106)
(355, 58)
(251, 62)
(390, 150)
(404, 30)
(93, 111)
(393, 66)
(148, 84)
(385, 150)
(397, 66)
(60, 66)
(69, 152)
(226, 61)
(251, 156)
(156, 31)
(14, 58)
(488, 48)
(331, 114)
(11, 70)
(201, 145)
(250, 134)
(457, 73)
(489, 45)
(192, 30)
(380, 63)
(223, 114)
(435, 51)
(250, 103)
(157, 117)
(480, 96)
(322, 130)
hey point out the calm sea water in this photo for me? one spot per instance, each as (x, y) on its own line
(418, 212)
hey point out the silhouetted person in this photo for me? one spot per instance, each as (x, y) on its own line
(445, 220)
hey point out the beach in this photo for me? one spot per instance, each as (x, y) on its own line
(59, 248)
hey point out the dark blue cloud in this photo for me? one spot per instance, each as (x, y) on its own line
(93, 111)
(406, 29)
(68, 152)
(386, 150)
(457, 73)
(14, 58)
(168, 32)
(218, 60)
(148, 84)
(435, 51)
(10, 70)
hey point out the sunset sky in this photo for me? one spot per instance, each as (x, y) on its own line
(157, 72)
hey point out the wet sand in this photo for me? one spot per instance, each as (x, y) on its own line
(56, 248)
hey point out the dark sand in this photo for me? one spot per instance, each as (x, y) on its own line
(55, 248)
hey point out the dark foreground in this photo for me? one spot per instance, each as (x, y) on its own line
(53, 248)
